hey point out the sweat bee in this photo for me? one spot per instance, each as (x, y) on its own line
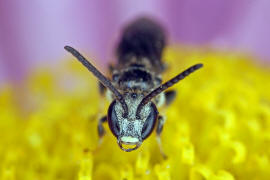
(135, 85)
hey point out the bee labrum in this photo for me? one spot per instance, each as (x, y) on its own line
(135, 85)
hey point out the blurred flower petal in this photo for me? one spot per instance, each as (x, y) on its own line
(34, 32)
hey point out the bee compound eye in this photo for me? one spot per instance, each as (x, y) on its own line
(150, 122)
(113, 120)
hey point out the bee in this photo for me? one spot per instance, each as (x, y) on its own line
(135, 85)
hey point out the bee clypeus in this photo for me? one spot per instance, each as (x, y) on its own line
(135, 86)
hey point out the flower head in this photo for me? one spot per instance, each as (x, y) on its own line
(218, 127)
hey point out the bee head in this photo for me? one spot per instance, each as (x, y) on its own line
(131, 130)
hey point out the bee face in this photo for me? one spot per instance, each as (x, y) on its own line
(131, 130)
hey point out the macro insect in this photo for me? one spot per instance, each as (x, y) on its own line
(135, 86)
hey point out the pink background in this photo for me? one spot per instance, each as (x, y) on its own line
(33, 33)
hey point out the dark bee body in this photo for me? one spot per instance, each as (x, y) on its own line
(142, 44)
(135, 87)
(139, 52)
(139, 55)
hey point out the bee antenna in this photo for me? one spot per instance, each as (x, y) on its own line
(166, 85)
(105, 81)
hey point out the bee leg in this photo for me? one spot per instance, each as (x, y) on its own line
(161, 121)
(101, 130)
(102, 88)
(101, 133)
(170, 96)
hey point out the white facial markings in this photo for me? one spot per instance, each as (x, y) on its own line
(132, 104)
(129, 139)
(131, 126)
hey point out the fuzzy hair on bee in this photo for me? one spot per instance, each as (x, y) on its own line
(135, 86)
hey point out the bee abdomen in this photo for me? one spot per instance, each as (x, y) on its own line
(143, 38)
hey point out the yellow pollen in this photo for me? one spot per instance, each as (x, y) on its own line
(217, 128)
